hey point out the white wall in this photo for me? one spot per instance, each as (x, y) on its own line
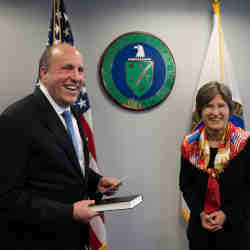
(143, 146)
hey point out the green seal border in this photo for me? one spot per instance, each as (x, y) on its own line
(105, 70)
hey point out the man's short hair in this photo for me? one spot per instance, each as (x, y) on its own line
(45, 59)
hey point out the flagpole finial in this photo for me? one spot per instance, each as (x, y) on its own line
(216, 6)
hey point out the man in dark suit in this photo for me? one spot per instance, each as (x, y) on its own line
(46, 183)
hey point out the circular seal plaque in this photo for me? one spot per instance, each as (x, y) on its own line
(137, 71)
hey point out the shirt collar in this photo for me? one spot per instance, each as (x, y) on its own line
(59, 110)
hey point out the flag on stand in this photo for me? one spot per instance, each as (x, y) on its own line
(60, 31)
(59, 28)
(217, 67)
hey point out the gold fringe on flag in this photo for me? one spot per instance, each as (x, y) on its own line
(104, 246)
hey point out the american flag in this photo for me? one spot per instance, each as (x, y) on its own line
(60, 31)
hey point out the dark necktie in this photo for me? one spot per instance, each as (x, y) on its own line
(67, 117)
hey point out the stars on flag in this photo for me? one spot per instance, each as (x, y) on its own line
(57, 30)
(82, 103)
(58, 14)
(66, 32)
(60, 30)
(66, 17)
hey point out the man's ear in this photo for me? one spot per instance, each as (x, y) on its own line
(43, 73)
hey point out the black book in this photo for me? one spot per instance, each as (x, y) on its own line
(117, 203)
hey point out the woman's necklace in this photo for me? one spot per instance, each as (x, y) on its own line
(214, 139)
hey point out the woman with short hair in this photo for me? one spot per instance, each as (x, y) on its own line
(215, 174)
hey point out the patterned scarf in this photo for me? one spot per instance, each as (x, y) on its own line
(195, 148)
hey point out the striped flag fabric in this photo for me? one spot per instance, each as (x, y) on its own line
(97, 227)
(217, 67)
(59, 32)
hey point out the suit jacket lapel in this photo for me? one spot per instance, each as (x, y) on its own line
(51, 120)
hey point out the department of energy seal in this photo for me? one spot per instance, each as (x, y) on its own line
(137, 71)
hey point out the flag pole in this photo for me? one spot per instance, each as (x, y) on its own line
(59, 19)
(54, 19)
(216, 8)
